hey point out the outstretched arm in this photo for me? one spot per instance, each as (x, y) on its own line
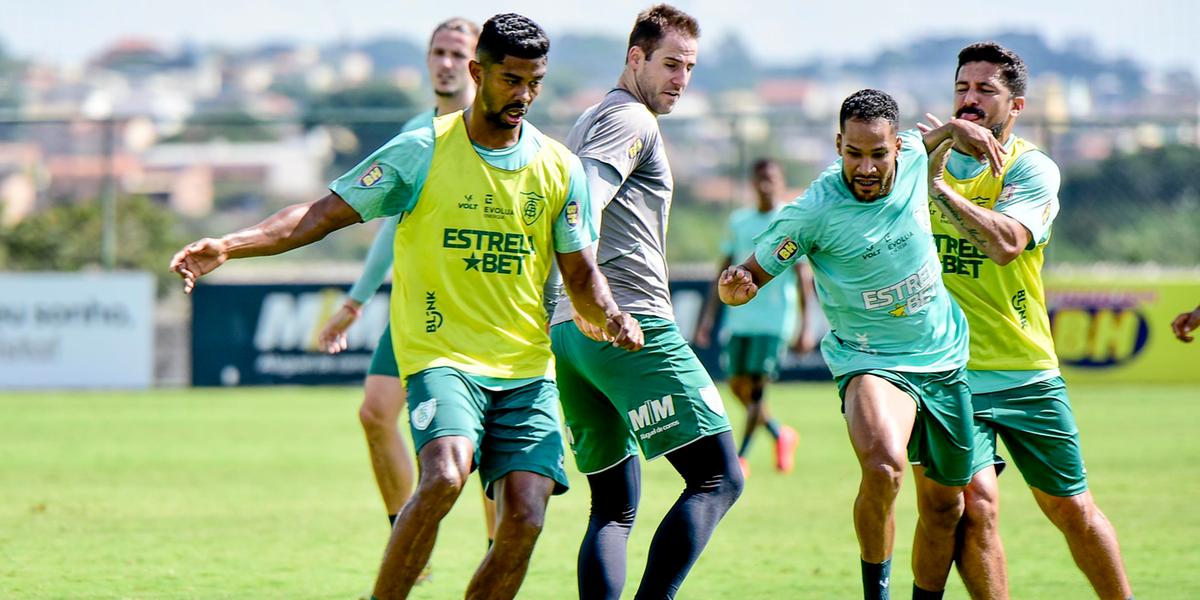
(739, 284)
(593, 301)
(708, 314)
(294, 226)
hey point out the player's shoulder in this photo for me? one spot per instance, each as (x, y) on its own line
(1034, 162)
(622, 110)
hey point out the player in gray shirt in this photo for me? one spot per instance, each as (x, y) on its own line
(659, 399)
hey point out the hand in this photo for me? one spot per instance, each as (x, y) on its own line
(976, 140)
(937, 165)
(587, 329)
(197, 259)
(1185, 323)
(625, 332)
(803, 344)
(332, 338)
(736, 286)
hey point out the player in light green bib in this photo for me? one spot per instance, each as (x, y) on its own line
(451, 47)
(898, 343)
(488, 203)
(990, 229)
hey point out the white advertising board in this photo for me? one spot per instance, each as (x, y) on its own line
(76, 330)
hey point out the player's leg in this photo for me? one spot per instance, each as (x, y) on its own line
(521, 506)
(941, 449)
(979, 551)
(445, 465)
(379, 414)
(768, 350)
(522, 465)
(879, 419)
(713, 481)
(1041, 434)
(1092, 540)
(616, 492)
(489, 513)
(605, 452)
(446, 418)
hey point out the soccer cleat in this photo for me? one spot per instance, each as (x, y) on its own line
(785, 449)
(745, 465)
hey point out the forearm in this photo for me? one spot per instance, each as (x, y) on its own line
(378, 262)
(590, 296)
(999, 237)
(292, 227)
(712, 302)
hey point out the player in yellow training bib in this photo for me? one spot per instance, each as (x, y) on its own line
(487, 201)
(990, 229)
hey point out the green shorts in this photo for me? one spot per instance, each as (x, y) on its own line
(659, 398)
(513, 430)
(1038, 428)
(941, 438)
(383, 361)
(753, 355)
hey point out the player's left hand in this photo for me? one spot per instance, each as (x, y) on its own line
(332, 338)
(198, 258)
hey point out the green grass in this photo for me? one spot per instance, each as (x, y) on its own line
(268, 493)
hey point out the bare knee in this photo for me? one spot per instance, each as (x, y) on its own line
(883, 472)
(381, 405)
(942, 510)
(1073, 515)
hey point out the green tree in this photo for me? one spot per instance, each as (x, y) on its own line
(372, 112)
(67, 238)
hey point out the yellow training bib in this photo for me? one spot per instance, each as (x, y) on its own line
(472, 259)
(1005, 306)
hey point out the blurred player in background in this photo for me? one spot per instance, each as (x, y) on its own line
(450, 50)
(991, 229)
(660, 398)
(760, 332)
(467, 308)
(898, 344)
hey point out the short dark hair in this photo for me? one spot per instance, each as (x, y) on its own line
(458, 24)
(868, 105)
(511, 34)
(1012, 69)
(653, 24)
(763, 163)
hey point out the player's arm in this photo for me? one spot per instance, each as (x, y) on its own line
(593, 301)
(739, 284)
(292, 227)
(712, 303)
(379, 261)
(1000, 237)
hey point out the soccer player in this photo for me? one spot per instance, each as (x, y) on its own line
(759, 332)
(488, 201)
(1185, 323)
(450, 50)
(898, 343)
(991, 229)
(660, 399)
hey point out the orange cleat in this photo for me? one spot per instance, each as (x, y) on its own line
(785, 449)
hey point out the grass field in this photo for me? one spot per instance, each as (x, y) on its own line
(266, 493)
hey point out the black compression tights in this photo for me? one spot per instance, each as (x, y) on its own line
(713, 481)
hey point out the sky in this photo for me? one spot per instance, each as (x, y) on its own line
(1158, 33)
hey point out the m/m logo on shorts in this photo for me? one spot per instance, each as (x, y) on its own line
(652, 412)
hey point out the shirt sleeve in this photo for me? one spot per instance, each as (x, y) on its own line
(1030, 195)
(621, 138)
(788, 237)
(378, 263)
(575, 227)
(388, 182)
